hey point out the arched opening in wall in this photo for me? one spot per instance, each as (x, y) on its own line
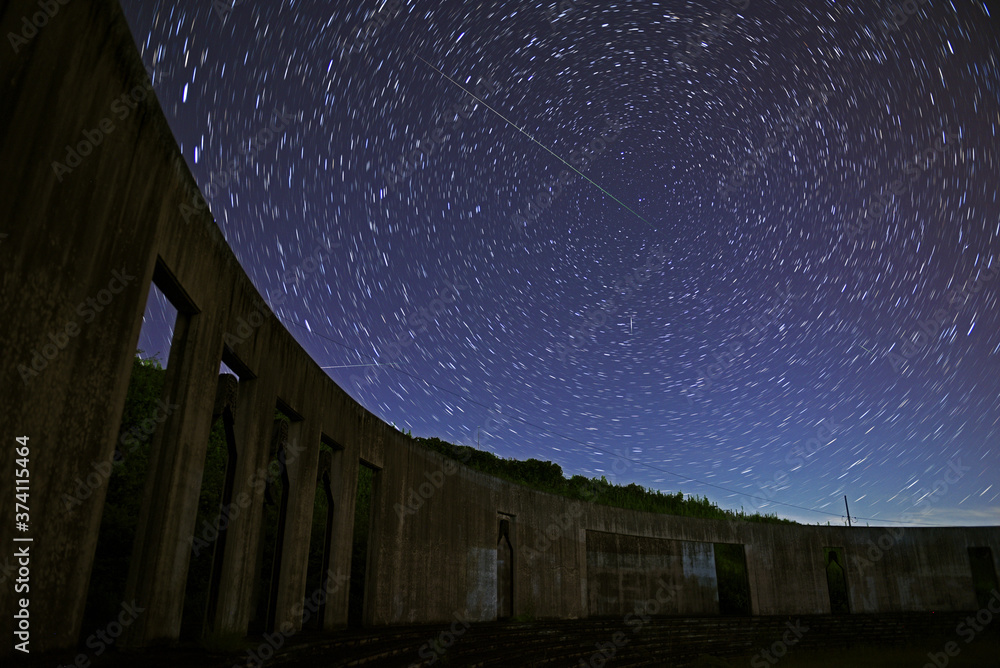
(984, 574)
(146, 409)
(225, 407)
(320, 542)
(207, 533)
(215, 507)
(359, 544)
(505, 570)
(836, 580)
(274, 518)
(733, 582)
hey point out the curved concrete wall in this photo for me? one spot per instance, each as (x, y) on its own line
(438, 552)
(115, 221)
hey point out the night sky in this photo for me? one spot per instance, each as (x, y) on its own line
(775, 276)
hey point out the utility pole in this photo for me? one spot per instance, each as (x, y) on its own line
(477, 438)
(848, 511)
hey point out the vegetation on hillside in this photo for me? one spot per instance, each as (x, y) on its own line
(548, 477)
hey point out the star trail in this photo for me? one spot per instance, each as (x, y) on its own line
(743, 249)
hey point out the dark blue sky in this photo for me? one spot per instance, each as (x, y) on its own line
(772, 204)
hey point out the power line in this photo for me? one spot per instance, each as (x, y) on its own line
(599, 449)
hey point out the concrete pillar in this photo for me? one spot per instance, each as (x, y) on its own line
(63, 238)
(160, 558)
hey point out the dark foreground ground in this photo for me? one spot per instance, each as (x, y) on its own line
(855, 641)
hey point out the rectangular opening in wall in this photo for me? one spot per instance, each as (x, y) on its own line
(359, 543)
(984, 574)
(208, 544)
(733, 582)
(225, 369)
(231, 363)
(505, 567)
(836, 580)
(125, 475)
(158, 323)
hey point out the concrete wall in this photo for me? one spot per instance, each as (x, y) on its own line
(66, 365)
(626, 571)
(573, 559)
(120, 210)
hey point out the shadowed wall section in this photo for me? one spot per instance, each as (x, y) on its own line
(128, 215)
(623, 570)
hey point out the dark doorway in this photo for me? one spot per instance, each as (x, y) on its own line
(836, 580)
(208, 543)
(359, 546)
(731, 574)
(225, 507)
(505, 572)
(984, 574)
(272, 530)
(320, 541)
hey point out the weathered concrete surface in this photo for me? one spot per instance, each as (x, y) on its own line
(119, 210)
(114, 224)
(624, 572)
(432, 535)
(65, 241)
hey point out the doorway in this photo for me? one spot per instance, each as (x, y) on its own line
(505, 571)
